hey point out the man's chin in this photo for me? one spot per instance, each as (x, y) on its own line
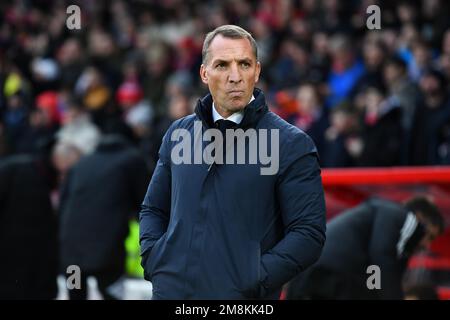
(235, 109)
(237, 105)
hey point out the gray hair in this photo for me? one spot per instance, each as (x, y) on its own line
(228, 31)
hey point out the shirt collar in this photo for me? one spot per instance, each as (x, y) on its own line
(235, 117)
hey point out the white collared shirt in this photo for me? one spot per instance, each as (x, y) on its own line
(235, 117)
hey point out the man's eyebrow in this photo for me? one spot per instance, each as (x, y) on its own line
(248, 60)
(219, 60)
(216, 61)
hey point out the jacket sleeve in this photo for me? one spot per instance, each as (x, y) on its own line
(155, 209)
(302, 205)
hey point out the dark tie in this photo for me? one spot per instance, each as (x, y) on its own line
(223, 125)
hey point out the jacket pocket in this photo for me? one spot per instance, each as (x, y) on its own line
(251, 288)
(153, 257)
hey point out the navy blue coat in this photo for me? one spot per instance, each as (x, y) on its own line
(226, 231)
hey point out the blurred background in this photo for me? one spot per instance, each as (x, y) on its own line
(83, 112)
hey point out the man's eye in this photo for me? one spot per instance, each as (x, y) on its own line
(245, 64)
(221, 66)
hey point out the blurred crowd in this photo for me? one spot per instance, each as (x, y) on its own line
(102, 96)
(366, 97)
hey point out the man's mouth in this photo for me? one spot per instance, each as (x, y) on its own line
(236, 92)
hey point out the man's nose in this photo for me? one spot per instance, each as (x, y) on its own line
(235, 75)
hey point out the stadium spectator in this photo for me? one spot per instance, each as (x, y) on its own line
(77, 129)
(15, 121)
(430, 141)
(28, 229)
(179, 106)
(311, 115)
(100, 194)
(374, 54)
(341, 137)
(377, 232)
(64, 157)
(346, 70)
(381, 134)
(407, 94)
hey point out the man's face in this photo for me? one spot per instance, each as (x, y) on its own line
(431, 233)
(231, 72)
(391, 73)
(307, 99)
(429, 85)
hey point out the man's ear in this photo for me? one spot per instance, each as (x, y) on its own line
(258, 71)
(203, 75)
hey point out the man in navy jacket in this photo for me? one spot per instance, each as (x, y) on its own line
(230, 230)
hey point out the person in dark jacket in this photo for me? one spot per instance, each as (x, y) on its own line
(343, 130)
(311, 116)
(377, 232)
(381, 135)
(101, 193)
(227, 231)
(430, 135)
(28, 229)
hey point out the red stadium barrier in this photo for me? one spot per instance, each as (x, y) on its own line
(429, 263)
(443, 293)
(394, 175)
